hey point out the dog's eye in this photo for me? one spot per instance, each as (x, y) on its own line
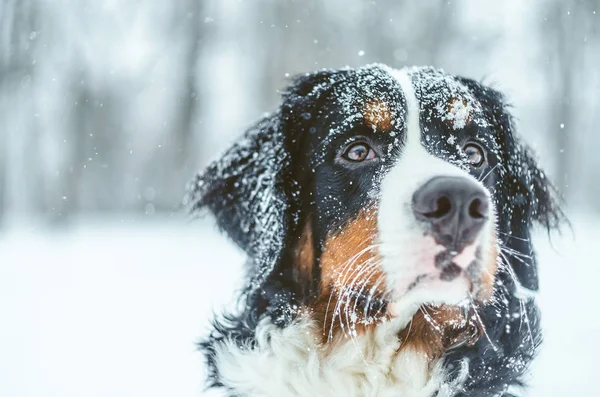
(474, 154)
(358, 152)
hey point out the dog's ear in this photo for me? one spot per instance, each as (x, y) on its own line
(253, 189)
(531, 196)
(530, 189)
(305, 93)
(245, 190)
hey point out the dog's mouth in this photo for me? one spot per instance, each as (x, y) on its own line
(453, 264)
(444, 276)
(442, 327)
(449, 268)
(437, 279)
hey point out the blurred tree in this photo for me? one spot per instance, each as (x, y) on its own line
(187, 25)
(409, 33)
(111, 106)
(173, 160)
(569, 28)
(22, 185)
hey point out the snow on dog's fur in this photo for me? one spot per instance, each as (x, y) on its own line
(386, 216)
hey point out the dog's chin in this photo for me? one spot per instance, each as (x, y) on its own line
(433, 291)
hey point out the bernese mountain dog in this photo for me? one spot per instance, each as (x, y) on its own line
(386, 215)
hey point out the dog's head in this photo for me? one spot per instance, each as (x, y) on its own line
(374, 191)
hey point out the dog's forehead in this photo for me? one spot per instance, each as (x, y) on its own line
(443, 97)
(373, 97)
(368, 96)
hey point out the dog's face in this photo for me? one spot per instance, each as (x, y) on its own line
(403, 166)
(376, 191)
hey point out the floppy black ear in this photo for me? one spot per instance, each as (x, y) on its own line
(531, 194)
(253, 189)
(245, 190)
(526, 188)
(531, 190)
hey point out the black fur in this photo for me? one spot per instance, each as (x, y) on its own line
(285, 158)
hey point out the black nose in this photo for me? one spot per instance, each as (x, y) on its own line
(455, 207)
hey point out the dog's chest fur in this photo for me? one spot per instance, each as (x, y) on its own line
(291, 362)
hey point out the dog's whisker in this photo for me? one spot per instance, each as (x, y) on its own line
(343, 289)
(516, 254)
(520, 295)
(489, 173)
(369, 297)
(513, 237)
(372, 295)
(482, 324)
(364, 275)
(339, 285)
(360, 292)
(349, 265)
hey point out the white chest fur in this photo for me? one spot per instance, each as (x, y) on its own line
(290, 362)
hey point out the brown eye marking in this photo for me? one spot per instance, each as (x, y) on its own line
(378, 115)
(458, 113)
(359, 152)
(474, 154)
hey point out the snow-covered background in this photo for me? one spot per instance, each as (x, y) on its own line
(108, 308)
(107, 108)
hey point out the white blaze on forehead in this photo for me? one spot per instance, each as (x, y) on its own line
(413, 125)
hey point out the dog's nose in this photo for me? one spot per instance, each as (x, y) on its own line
(455, 207)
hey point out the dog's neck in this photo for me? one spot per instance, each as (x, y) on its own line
(292, 361)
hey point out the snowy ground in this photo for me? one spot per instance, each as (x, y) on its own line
(114, 308)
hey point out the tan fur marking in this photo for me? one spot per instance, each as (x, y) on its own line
(488, 274)
(455, 112)
(305, 252)
(378, 115)
(350, 262)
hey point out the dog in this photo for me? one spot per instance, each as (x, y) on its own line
(386, 215)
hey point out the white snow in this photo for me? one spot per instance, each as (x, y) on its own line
(110, 309)
(113, 308)
(459, 113)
